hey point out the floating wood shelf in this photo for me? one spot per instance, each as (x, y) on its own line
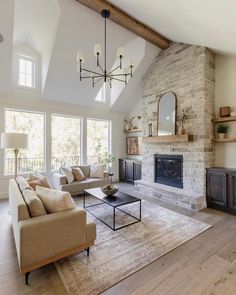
(224, 119)
(168, 138)
(232, 139)
(133, 130)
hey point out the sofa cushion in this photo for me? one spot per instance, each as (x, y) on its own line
(23, 184)
(40, 182)
(67, 171)
(78, 174)
(97, 171)
(97, 182)
(34, 176)
(55, 200)
(35, 205)
(85, 169)
(75, 187)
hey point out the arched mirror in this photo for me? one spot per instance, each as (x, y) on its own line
(166, 114)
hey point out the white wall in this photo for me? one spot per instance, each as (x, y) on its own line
(31, 100)
(225, 95)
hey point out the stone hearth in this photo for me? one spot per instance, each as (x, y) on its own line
(188, 71)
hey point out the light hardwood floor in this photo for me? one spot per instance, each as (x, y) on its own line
(205, 265)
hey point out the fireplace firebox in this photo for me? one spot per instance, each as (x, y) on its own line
(169, 170)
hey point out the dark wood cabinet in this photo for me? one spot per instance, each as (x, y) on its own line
(221, 189)
(129, 170)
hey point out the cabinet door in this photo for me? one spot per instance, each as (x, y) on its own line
(122, 170)
(129, 171)
(217, 188)
(137, 171)
(232, 190)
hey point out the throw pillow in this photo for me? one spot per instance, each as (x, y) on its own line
(55, 200)
(78, 174)
(23, 184)
(35, 205)
(40, 182)
(97, 171)
(34, 176)
(68, 173)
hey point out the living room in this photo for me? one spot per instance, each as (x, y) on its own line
(117, 159)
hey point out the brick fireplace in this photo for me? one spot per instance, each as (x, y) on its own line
(188, 71)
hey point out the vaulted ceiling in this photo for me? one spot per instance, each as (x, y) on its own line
(56, 29)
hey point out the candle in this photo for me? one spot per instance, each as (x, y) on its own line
(120, 51)
(97, 49)
(80, 56)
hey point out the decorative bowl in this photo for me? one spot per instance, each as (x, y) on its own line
(109, 189)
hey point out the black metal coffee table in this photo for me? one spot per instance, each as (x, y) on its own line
(118, 200)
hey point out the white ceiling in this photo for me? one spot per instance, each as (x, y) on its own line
(210, 23)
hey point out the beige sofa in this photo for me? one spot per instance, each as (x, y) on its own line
(44, 239)
(60, 181)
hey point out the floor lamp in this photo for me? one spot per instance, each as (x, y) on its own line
(14, 141)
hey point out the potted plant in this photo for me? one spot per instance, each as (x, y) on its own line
(109, 158)
(222, 130)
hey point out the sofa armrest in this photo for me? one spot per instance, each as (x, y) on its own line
(59, 180)
(50, 235)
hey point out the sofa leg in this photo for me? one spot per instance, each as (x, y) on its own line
(27, 278)
(87, 250)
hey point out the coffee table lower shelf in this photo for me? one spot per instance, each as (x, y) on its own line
(117, 207)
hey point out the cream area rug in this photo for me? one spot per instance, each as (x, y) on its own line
(118, 254)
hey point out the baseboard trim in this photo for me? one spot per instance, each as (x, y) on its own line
(3, 196)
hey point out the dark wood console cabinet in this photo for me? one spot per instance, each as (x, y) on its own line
(129, 170)
(221, 189)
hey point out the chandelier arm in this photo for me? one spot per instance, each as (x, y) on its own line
(119, 75)
(113, 70)
(101, 68)
(118, 79)
(92, 72)
(91, 77)
(102, 77)
(109, 81)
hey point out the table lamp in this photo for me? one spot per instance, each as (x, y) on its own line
(14, 141)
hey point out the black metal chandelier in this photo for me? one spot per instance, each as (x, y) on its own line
(103, 74)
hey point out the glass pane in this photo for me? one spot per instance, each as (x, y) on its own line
(22, 65)
(28, 81)
(32, 158)
(29, 67)
(22, 79)
(97, 141)
(65, 141)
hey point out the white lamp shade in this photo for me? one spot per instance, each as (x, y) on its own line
(14, 140)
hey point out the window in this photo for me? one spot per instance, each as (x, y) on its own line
(31, 159)
(65, 141)
(26, 71)
(101, 96)
(98, 140)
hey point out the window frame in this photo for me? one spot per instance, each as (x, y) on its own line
(81, 136)
(26, 58)
(44, 139)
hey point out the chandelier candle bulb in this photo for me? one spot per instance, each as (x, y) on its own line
(97, 49)
(120, 52)
(80, 56)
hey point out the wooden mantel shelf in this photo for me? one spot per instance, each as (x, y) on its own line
(224, 119)
(168, 138)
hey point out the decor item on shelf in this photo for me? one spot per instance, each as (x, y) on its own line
(166, 114)
(222, 130)
(129, 123)
(150, 130)
(233, 114)
(110, 189)
(14, 141)
(103, 74)
(185, 115)
(134, 145)
(225, 111)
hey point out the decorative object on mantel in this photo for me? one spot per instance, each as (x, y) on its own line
(222, 131)
(110, 189)
(166, 114)
(225, 111)
(150, 130)
(134, 145)
(129, 127)
(103, 74)
(185, 115)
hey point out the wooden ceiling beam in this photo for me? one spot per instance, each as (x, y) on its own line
(128, 22)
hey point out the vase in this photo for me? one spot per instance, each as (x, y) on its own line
(181, 129)
(221, 135)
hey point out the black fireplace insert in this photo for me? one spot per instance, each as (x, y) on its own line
(169, 170)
